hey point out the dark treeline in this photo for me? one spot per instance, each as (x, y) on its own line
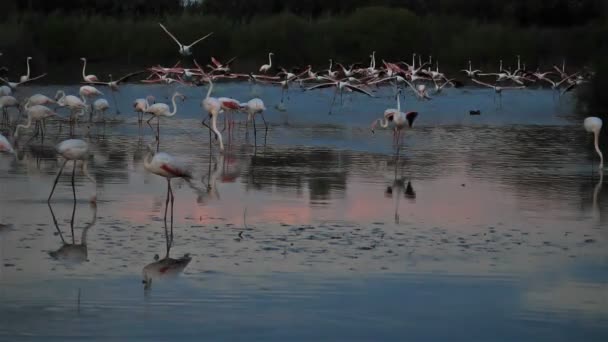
(125, 33)
(557, 13)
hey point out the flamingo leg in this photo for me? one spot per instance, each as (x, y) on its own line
(74, 194)
(166, 208)
(333, 100)
(255, 138)
(172, 201)
(264, 119)
(56, 180)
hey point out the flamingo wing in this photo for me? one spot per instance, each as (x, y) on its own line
(200, 39)
(170, 35)
(321, 85)
(359, 90)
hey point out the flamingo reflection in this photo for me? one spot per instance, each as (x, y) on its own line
(73, 252)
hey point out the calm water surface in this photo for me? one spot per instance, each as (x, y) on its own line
(489, 227)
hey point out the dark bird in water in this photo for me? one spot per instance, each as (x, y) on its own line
(475, 112)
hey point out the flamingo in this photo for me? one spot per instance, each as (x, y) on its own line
(254, 107)
(5, 145)
(39, 99)
(419, 90)
(14, 85)
(76, 106)
(166, 267)
(5, 103)
(264, 68)
(340, 86)
(161, 109)
(35, 113)
(228, 106)
(74, 150)
(593, 125)
(398, 118)
(140, 106)
(85, 77)
(184, 50)
(213, 106)
(26, 77)
(5, 90)
(470, 72)
(497, 89)
(87, 91)
(167, 166)
(100, 106)
(114, 84)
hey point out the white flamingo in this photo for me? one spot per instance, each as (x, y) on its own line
(593, 125)
(74, 150)
(264, 68)
(26, 77)
(36, 113)
(87, 78)
(184, 50)
(140, 106)
(162, 109)
(213, 106)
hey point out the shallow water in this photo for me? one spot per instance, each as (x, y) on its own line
(315, 234)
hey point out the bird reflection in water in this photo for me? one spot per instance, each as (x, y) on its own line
(73, 252)
(596, 192)
(166, 267)
(399, 186)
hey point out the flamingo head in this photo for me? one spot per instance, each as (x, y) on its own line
(29, 58)
(83, 59)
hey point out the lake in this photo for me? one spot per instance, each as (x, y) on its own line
(487, 227)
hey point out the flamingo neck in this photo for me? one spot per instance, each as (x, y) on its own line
(210, 89)
(28, 125)
(270, 59)
(174, 106)
(383, 122)
(215, 130)
(84, 66)
(398, 102)
(28, 68)
(596, 139)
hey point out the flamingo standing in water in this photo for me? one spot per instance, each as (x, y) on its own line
(264, 68)
(76, 106)
(87, 78)
(162, 109)
(184, 50)
(254, 107)
(26, 77)
(593, 125)
(165, 165)
(35, 113)
(213, 106)
(88, 92)
(398, 118)
(140, 106)
(5, 145)
(74, 150)
(5, 103)
(228, 105)
(100, 106)
(39, 99)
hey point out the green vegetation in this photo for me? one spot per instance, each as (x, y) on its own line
(300, 32)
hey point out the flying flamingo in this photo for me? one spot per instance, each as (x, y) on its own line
(470, 72)
(114, 84)
(254, 107)
(74, 150)
(85, 77)
(340, 86)
(26, 77)
(35, 113)
(398, 118)
(184, 50)
(14, 85)
(593, 125)
(497, 89)
(5, 145)
(140, 106)
(213, 106)
(161, 109)
(264, 68)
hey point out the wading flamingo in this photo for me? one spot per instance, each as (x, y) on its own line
(593, 125)
(213, 106)
(264, 68)
(36, 113)
(74, 150)
(85, 77)
(26, 77)
(398, 118)
(162, 109)
(140, 106)
(254, 107)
